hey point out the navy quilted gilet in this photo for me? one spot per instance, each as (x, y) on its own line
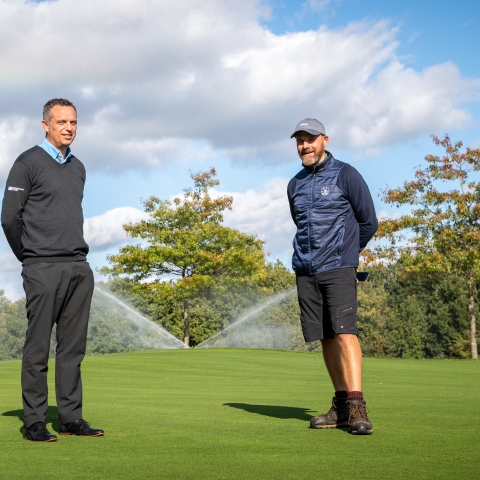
(321, 211)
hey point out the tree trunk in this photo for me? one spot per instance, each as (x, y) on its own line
(473, 326)
(186, 324)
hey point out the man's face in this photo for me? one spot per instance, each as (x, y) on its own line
(311, 148)
(61, 127)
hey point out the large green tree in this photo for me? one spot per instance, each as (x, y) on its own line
(186, 247)
(441, 234)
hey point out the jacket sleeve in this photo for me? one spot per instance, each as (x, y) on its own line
(290, 190)
(356, 189)
(15, 198)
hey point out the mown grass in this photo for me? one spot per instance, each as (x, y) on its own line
(243, 414)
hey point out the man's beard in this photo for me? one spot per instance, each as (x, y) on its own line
(309, 161)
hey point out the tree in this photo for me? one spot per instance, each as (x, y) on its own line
(187, 241)
(13, 325)
(216, 309)
(441, 235)
(373, 313)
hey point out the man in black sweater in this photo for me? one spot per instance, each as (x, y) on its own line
(42, 219)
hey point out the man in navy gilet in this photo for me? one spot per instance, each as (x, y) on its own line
(333, 210)
(42, 219)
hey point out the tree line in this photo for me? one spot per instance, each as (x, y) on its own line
(194, 277)
(399, 316)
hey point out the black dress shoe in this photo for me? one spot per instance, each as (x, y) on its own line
(80, 427)
(38, 433)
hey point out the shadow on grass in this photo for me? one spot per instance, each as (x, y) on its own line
(276, 411)
(51, 417)
(279, 411)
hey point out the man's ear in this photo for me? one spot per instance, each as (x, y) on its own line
(45, 125)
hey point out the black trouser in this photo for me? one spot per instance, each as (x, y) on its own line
(328, 303)
(58, 293)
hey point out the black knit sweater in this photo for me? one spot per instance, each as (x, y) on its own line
(42, 214)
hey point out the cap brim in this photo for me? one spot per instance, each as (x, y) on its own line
(308, 130)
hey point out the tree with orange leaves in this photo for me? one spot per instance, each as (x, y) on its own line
(441, 235)
(188, 248)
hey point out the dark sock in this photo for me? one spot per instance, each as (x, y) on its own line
(355, 395)
(341, 394)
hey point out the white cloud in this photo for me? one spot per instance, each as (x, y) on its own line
(264, 213)
(156, 82)
(106, 230)
(383, 215)
(12, 132)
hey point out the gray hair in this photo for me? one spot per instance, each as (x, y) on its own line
(55, 101)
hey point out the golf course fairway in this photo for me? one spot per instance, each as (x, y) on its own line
(244, 414)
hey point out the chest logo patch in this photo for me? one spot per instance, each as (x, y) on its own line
(324, 191)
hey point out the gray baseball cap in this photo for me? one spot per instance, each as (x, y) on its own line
(310, 125)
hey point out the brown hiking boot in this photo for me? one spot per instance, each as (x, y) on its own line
(337, 416)
(359, 422)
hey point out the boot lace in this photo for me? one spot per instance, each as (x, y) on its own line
(358, 412)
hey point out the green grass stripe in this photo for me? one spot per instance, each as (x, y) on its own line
(243, 414)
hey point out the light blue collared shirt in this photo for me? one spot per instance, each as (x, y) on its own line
(53, 152)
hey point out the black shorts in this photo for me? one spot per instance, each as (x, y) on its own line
(328, 303)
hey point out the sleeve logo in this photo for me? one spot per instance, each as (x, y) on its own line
(16, 189)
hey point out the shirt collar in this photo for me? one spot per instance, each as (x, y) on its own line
(54, 153)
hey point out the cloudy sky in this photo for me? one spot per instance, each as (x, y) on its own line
(163, 88)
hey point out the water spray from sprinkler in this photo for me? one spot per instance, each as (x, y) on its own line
(159, 329)
(251, 313)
